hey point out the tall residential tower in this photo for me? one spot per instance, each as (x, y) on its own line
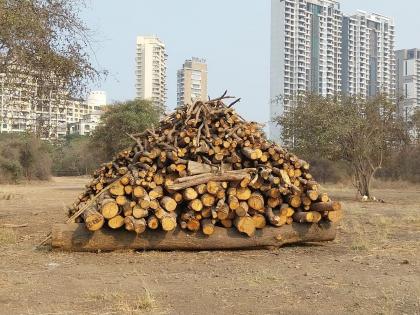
(368, 55)
(192, 81)
(408, 81)
(151, 60)
(305, 52)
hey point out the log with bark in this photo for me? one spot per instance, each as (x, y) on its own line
(75, 237)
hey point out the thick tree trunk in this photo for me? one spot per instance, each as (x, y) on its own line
(75, 237)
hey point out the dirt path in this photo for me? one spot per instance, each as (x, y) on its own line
(373, 267)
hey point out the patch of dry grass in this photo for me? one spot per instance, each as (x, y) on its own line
(7, 236)
(122, 303)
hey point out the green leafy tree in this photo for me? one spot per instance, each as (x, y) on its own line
(361, 131)
(121, 119)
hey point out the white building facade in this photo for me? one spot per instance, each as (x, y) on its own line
(151, 61)
(368, 55)
(23, 109)
(192, 81)
(408, 82)
(85, 123)
(305, 52)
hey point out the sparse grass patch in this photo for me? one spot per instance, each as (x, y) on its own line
(7, 236)
(135, 304)
(122, 303)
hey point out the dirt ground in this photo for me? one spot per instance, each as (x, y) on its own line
(373, 267)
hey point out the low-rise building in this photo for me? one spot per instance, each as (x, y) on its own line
(23, 108)
(86, 125)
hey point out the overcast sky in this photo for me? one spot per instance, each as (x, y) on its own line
(233, 35)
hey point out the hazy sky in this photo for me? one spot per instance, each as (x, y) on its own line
(233, 35)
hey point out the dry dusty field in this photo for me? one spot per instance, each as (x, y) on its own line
(373, 267)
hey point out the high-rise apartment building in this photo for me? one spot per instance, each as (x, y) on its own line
(408, 81)
(192, 81)
(305, 52)
(368, 64)
(151, 60)
(315, 48)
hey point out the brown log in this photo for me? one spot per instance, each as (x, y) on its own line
(93, 219)
(75, 237)
(139, 212)
(302, 217)
(200, 179)
(109, 208)
(222, 210)
(208, 200)
(154, 204)
(316, 217)
(323, 197)
(144, 203)
(312, 194)
(168, 203)
(128, 189)
(207, 227)
(177, 197)
(138, 226)
(233, 202)
(227, 223)
(275, 219)
(189, 194)
(129, 223)
(259, 221)
(274, 202)
(125, 180)
(245, 181)
(195, 205)
(117, 189)
(206, 212)
(256, 202)
(201, 189)
(139, 192)
(128, 209)
(242, 210)
(243, 193)
(213, 187)
(116, 222)
(121, 200)
(193, 224)
(250, 153)
(152, 222)
(295, 201)
(333, 216)
(245, 225)
(326, 206)
(156, 193)
(168, 222)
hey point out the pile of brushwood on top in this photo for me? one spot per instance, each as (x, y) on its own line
(203, 166)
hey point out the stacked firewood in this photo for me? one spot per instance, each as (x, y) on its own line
(203, 166)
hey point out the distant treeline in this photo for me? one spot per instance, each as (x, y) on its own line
(26, 157)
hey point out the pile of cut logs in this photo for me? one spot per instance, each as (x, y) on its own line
(203, 166)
